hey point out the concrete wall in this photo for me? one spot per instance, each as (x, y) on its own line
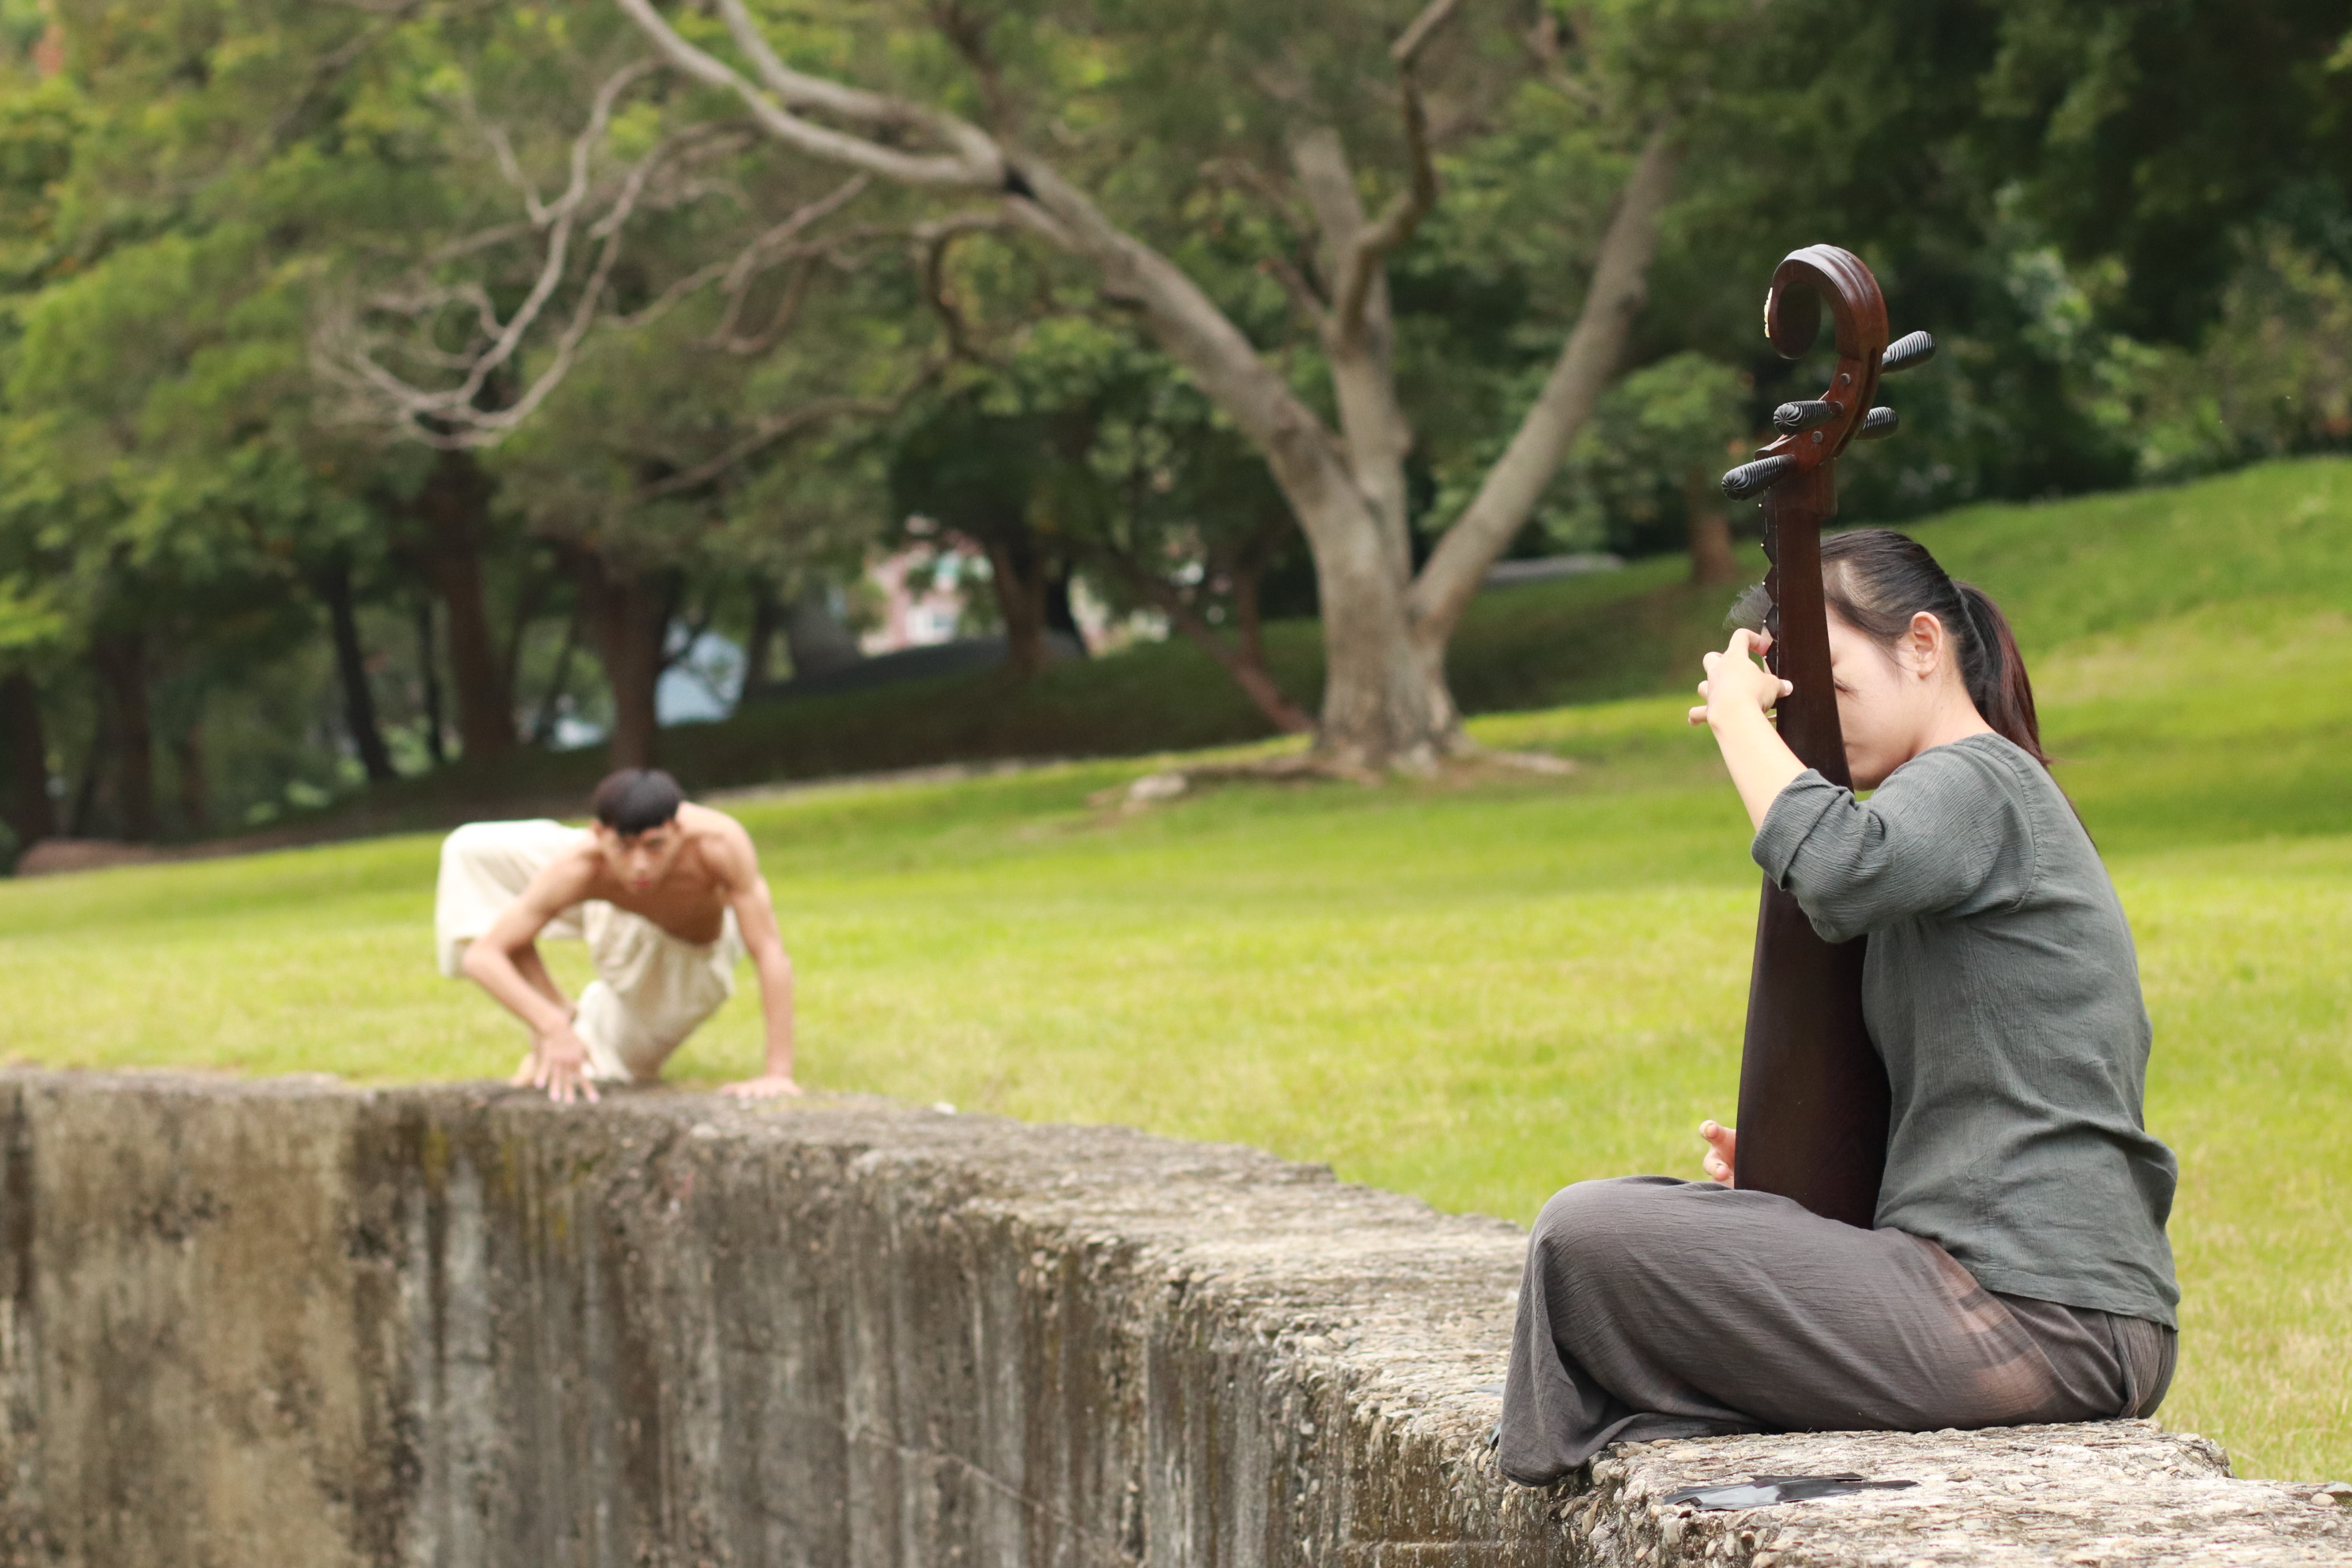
(293, 1323)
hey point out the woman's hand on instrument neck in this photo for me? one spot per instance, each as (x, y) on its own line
(1722, 1150)
(1739, 697)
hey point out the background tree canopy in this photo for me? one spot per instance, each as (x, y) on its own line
(389, 387)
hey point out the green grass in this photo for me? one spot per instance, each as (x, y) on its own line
(1475, 993)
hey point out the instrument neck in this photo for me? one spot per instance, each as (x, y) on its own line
(1794, 512)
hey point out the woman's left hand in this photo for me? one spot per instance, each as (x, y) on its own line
(1722, 1150)
(1735, 684)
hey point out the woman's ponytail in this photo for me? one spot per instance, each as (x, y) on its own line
(1876, 580)
(1995, 673)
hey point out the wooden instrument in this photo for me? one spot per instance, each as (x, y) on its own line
(1812, 1092)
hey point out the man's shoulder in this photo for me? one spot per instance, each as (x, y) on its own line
(574, 860)
(701, 821)
(718, 838)
(566, 876)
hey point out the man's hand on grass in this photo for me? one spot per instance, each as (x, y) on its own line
(767, 1086)
(557, 1063)
(1721, 1143)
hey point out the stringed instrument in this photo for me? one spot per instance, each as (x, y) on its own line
(1814, 1097)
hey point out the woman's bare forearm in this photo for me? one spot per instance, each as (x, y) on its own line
(1761, 763)
(1739, 696)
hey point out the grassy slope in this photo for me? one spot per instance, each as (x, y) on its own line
(1474, 994)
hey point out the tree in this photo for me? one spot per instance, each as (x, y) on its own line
(608, 317)
(38, 122)
(2159, 136)
(1386, 625)
(1646, 468)
(984, 474)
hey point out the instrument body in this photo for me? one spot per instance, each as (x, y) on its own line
(1813, 1095)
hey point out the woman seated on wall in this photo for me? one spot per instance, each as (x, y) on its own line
(2017, 1270)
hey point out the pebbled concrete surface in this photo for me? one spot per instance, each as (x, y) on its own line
(296, 1322)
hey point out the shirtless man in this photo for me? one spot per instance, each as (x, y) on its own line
(668, 895)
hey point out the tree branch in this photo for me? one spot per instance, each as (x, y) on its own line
(933, 242)
(976, 162)
(1303, 297)
(771, 429)
(772, 246)
(1304, 458)
(451, 417)
(1242, 174)
(1369, 245)
(1241, 664)
(1586, 363)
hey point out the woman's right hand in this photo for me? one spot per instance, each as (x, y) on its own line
(1735, 684)
(1722, 1145)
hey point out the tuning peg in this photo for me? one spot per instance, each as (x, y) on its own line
(1904, 353)
(1795, 417)
(1877, 425)
(1755, 477)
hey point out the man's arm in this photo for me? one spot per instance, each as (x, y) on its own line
(533, 969)
(731, 854)
(503, 960)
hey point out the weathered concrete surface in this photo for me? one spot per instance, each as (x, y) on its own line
(294, 1323)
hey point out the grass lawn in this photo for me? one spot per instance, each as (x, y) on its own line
(1475, 993)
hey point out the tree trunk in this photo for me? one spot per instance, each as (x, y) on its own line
(1060, 616)
(550, 706)
(1245, 663)
(759, 645)
(195, 791)
(1243, 658)
(626, 613)
(26, 740)
(817, 641)
(529, 600)
(453, 510)
(82, 821)
(120, 659)
(1018, 577)
(1381, 706)
(428, 671)
(1361, 354)
(332, 582)
(1712, 563)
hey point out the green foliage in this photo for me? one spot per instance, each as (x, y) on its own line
(2270, 376)
(2151, 134)
(1660, 437)
(2124, 224)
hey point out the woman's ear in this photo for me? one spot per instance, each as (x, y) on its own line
(1926, 645)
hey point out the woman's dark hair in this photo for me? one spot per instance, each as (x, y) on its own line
(636, 800)
(1876, 580)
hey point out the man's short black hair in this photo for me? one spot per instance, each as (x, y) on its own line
(636, 800)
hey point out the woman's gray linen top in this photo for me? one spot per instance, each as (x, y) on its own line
(2002, 992)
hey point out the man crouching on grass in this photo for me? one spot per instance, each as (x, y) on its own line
(669, 895)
